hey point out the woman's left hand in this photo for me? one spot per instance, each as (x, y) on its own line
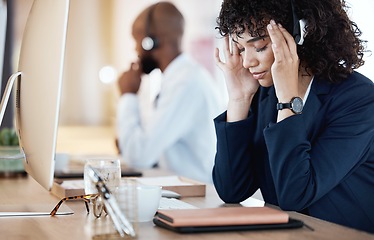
(286, 64)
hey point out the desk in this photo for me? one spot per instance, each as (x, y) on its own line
(79, 225)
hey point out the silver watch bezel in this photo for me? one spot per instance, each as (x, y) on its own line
(297, 105)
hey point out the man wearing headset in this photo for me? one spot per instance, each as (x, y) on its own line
(180, 136)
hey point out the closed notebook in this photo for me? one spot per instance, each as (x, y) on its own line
(225, 216)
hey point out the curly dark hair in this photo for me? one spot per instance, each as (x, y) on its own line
(331, 49)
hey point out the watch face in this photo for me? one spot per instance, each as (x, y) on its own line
(297, 105)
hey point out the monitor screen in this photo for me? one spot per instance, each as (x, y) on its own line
(39, 85)
(3, 20)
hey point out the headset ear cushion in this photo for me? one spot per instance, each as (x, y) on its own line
(149, 43)
(155, 42)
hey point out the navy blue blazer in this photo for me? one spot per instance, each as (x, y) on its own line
(320, 162)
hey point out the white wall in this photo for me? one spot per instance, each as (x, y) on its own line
(84, 99)
(199, 28)
(361, 12)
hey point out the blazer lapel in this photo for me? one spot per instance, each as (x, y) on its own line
(314, 102)
(318, 91)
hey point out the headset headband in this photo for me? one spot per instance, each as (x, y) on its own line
(298, 29)
(149, 42)
(149, 20)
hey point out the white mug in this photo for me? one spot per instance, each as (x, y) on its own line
(145, 199)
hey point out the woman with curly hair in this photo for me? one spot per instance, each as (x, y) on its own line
(299, 123)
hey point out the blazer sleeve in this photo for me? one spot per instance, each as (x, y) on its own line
(303, 170)
(232, 161)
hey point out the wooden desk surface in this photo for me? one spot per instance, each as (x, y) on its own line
(82, 226)
(26, 191)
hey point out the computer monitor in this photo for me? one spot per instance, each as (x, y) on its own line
(39, 80)
(3, 21)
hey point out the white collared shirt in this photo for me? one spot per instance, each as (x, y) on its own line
(181, 131)
(307, 91)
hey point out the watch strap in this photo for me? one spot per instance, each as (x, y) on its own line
(281, 106)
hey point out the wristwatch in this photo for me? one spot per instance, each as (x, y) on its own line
(296, 105)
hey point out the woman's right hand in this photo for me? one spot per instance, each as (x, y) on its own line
(241, 85)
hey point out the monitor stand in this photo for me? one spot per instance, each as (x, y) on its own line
(32, 210)
(23, 210)
(3, 105)
(7, 92)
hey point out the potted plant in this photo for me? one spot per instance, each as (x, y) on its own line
(11, 159)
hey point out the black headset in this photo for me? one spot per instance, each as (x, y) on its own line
(299, 26)
(149, 42)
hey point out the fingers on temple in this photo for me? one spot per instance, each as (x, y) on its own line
(219, 63)
(279, 44)
(235, 49)
(290, 41)
(216, 56)
(226, 47)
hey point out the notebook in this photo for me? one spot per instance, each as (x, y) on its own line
(224, 219)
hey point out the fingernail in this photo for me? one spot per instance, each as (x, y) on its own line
(272, 22)
(269, 26)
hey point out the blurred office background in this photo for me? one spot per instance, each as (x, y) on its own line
(100, 47)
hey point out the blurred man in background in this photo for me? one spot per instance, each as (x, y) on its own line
(180, 135)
